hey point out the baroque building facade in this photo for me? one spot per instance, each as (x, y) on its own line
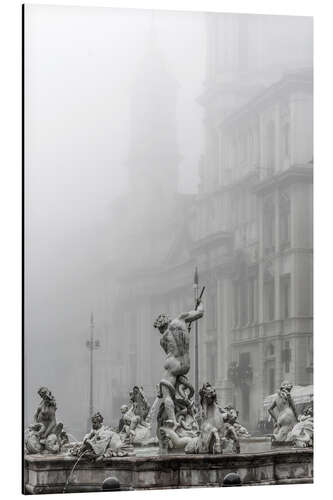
(248, 229)
(254, 215)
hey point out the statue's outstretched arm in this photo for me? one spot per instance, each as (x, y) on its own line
(190, 316)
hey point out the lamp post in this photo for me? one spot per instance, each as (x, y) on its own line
(91, 345)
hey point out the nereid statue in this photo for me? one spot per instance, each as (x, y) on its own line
(283, 412)
(101, 442)
(45, 435)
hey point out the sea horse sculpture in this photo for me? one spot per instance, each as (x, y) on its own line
(45, 435)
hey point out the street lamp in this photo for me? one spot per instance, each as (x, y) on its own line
(196, 347)
(91, 345)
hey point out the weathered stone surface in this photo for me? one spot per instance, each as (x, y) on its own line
(48, 474)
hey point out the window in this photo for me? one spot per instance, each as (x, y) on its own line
(211, 362)
(310, 352)
(269, 300)
(286, 356)
(251, 289)
(270, 148)
(133, 367)
(236, 304)
(244, 360)
(243, 303)
(285, 296)
(271, 378)
(244, 364)
(284, 217)
(245, 403)
(270, 350)
(212, 313)
(269, 226)
(286, 140)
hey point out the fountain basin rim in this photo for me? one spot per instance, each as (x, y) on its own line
(277, 452)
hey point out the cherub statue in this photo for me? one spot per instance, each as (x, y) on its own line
(283, 412)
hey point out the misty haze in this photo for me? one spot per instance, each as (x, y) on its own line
(156, 143)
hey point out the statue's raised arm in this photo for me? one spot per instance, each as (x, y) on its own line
(190, 316)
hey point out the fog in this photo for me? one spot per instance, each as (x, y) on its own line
(81, 65)
(85, 74)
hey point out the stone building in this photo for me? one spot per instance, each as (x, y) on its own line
(248, 229)
(253, 235)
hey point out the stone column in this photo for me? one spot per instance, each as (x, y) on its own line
(202, 344)
(224, 322)
(301, 139)
(220, 157)
(277, 259)
(278, 166)
(261, 264)
(259, 370)
(261, 148)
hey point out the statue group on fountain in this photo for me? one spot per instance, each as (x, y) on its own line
(178, 418)
(180, 424)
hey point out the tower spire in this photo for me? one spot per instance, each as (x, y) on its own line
(153, 153)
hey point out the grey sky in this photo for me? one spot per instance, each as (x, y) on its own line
(80, 67)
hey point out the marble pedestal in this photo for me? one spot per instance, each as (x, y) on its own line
(48, 474)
